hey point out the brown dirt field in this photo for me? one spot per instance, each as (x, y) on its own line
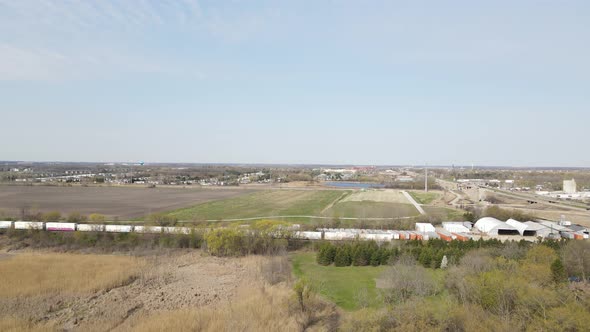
(114, 202)
(178, 280)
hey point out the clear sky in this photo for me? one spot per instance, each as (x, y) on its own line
(353, 82)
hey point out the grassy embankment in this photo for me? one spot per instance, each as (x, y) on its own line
(345, 286)
(424, 198)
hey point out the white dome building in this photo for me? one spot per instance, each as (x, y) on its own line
(493, 227)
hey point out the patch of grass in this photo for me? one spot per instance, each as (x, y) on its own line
(261, 204)
(370, 209)
(443, 213)
(347, 286)
(37, 274)
(424, 198)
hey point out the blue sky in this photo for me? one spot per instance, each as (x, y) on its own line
(354, 82)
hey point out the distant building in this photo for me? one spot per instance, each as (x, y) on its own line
(569, 186)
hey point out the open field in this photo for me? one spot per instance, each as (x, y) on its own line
(107, 292)
(369, 209)
(377, 195)
(444, 213)
(120, 202)
(261, 204)
(424, 198)
(347, 286)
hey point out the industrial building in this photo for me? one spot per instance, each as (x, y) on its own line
(495, 227)
(569, 186)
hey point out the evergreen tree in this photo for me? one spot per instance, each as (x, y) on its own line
(376, 258)
(342, 257)
(326, 253)
(558, 271)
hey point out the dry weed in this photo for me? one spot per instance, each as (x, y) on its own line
(34, 274)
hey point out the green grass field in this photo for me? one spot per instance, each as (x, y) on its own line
(341, 285)
(424, 198)
(444, 213)
(261, 204)
(370, 209)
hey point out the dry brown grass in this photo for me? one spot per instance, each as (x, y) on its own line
(267, 304)
(33, 274)
(256, 308)
(11, 324)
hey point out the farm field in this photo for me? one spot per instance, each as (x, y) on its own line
(262, 204)
(344, 286)
(114, 202)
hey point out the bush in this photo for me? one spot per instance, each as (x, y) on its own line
(51, 216)
(96, 217)
(76, 217)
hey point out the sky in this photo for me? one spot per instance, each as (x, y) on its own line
(296, 82)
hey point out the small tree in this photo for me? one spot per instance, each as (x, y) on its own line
(52, 216)
(97, 217)
(558, 271)
(76, 217)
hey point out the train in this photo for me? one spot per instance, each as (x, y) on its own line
(73, 227)
(330, 234)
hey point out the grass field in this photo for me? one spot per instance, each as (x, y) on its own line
(444, 213)
(369, 209)
(345, 286)
(37, 274)
(424, 198)
(261, 204)
(377, 195)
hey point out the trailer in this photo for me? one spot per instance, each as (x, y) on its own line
(60, 226)
(28, 225)
(5, 224)
(118, 228)
(147, 229)
(308, 235)
(89, 228)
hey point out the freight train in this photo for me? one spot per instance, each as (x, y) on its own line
(330, 234)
